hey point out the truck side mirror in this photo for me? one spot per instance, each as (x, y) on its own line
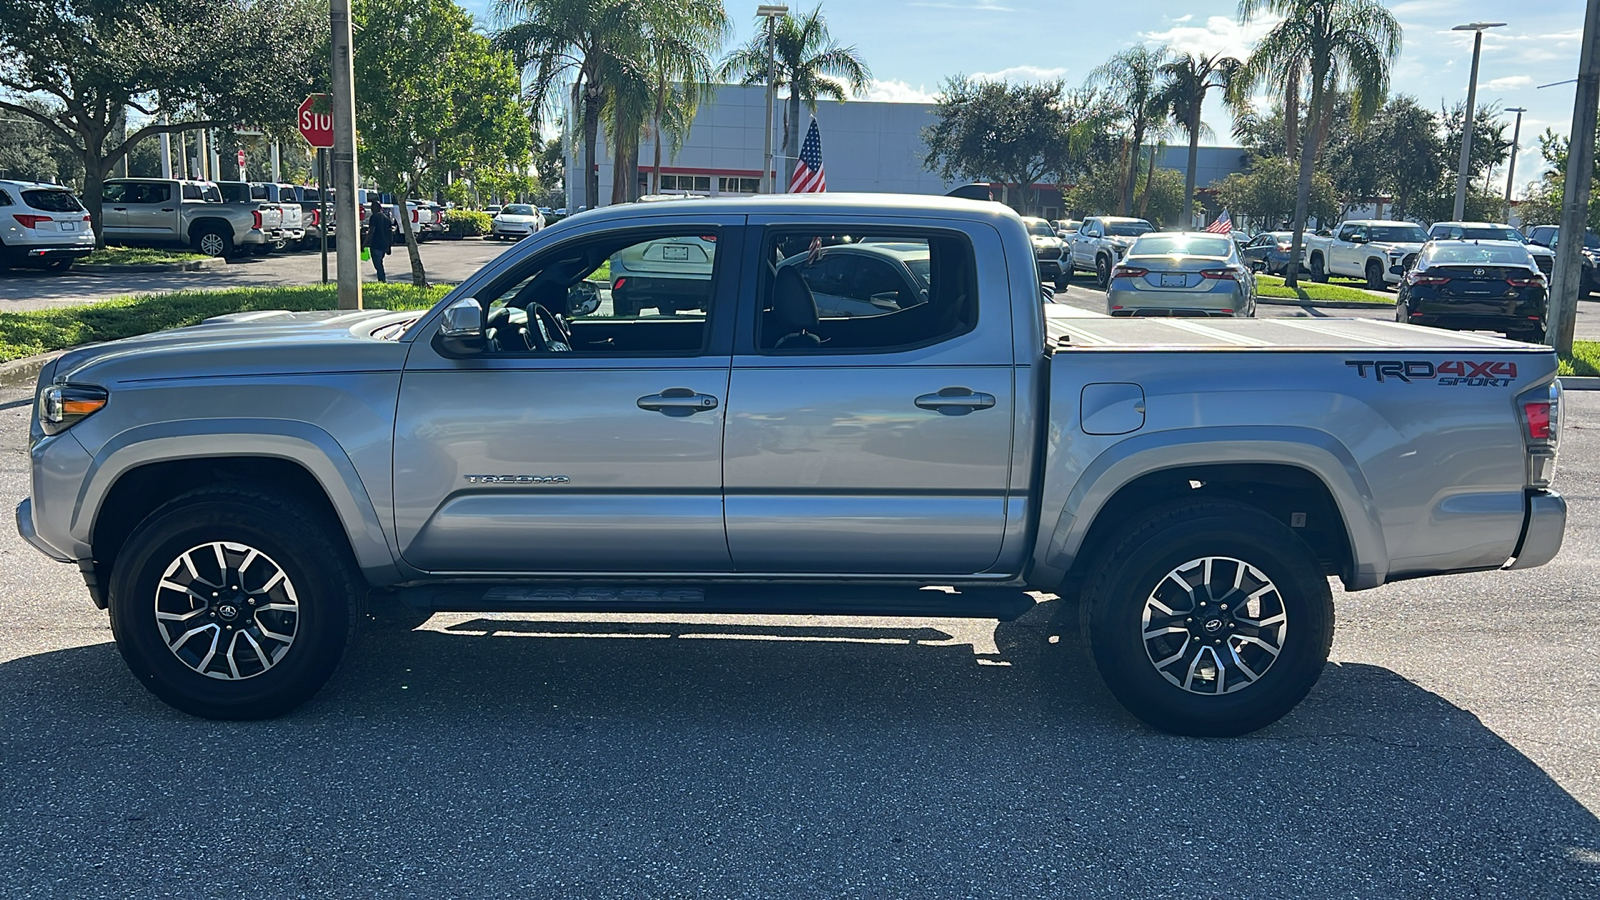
(461, 328)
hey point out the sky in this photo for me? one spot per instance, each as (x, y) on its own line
(912, 46)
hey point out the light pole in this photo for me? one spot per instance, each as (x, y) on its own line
(1516, 135)
(771, 13)
(1478, 28)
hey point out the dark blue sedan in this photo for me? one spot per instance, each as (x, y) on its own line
(1475, 286)
(1268, 252)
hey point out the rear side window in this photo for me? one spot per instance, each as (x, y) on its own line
(259, 192)
(826, 292)
(52, 201)
(191, 192)
(236, 193)
(5, 198)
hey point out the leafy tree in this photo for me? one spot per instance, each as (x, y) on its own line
(1013, 134)
(1130, 82)
(1158, 195)
(1185, 83)
(1490, 143)
(459, 111)
(1541, 202)
(1267, 192)
(809, 63)
(1350, 43)
(193, 65)
(29, 152)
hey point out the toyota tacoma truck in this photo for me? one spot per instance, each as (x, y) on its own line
(171, 211)
(1100, 243)
(237, 492)
(1377, 250)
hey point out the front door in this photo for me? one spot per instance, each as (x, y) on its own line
(872, 438)
(580, 441)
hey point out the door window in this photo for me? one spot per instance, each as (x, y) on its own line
(148, 193)
(641, 294)
(1347, 233)
(826, 292)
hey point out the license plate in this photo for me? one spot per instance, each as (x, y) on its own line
(675, 252)
(1174, 281)
(69, 226)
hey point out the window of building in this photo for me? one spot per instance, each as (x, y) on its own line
(827, 292)
(728, 185)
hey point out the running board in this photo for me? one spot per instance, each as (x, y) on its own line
(980, 602)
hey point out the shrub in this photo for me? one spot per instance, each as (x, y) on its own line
(467, 222)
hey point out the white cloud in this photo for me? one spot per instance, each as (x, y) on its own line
(896, 91)
(1023, 73)
(1219, 34)
(1508, 83)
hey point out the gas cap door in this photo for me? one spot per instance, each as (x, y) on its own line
(1111, 408)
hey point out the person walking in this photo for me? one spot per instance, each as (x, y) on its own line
(380, 236)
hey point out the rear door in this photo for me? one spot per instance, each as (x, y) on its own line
(869, 444)
(594, 452)
(152, 210)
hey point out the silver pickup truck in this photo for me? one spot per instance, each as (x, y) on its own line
(238, 491)
(172, 211)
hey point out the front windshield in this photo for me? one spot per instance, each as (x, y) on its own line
(517, 209)
(1179, 245)
(1129, 229)
(1398, 234)
(1039, 227)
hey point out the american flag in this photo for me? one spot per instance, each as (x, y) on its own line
(1223, 224)
(808, 175)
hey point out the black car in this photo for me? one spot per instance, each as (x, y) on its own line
(1548, 236)
(1475, 286)
(1268, 252)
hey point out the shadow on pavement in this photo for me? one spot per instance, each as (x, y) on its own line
(565, 758)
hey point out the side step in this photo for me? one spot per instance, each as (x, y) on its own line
(980, 602)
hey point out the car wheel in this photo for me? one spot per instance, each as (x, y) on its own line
(1102, 271)
(1402, 311)
(1375, 276)
(231, 604)
(1208, 618)
(59, 265)
(1061, 281)
(213, 242)
(1318, 273)
(280, 246)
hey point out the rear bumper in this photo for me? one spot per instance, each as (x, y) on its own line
(1542, 530)
(46, 252)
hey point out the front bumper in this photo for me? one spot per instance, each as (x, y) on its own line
(31, 535)
(1050, 268)
(1542, 530)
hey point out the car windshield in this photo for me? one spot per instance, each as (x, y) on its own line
(517, 209)
(1179, 245)
(1478, 254)
(1129, 229)
(1039, 227)
(51, 201)
(1492, 233)
(1398, 234)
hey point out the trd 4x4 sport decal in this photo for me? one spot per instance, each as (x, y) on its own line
(1465, 372)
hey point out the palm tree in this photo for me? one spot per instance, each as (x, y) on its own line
(808, 62)
(1130, 80)
(681, 71)
(1349, 44)
(1185, 83)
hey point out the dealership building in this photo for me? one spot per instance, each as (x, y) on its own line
(866, 146)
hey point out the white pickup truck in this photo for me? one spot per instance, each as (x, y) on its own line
(1374, 249)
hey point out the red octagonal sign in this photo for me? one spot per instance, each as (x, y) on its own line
(315, 120)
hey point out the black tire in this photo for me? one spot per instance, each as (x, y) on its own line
(212, 242)
(1061, 282)
(59, 265)
(1135, 566)
(1102, 271)
(1375, 276)
(1318, 273)
(320, 583)
(1402, 312)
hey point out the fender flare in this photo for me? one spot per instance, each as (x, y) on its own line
(308, 446)
(1316, 452)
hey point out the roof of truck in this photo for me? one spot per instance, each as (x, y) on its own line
(912, 205)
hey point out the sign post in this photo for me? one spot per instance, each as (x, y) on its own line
(240, 157)
(315, 121)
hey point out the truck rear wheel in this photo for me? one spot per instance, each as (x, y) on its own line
(228, 604)
(1208, 619)
(213, 242)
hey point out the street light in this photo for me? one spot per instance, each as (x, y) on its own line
(771, 13)
(1516, 135)
(1478, 28)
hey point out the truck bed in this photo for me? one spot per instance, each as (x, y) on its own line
(1271, 334)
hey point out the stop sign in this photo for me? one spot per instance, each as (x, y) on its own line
(316, 127)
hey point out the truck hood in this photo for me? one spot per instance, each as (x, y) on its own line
(271, 342)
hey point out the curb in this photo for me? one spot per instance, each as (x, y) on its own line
(194, 265)
(24, 371)
(1331, 304)
(1579, 382)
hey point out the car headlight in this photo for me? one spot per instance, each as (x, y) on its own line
(63, 405)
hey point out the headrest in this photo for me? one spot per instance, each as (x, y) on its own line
(792, 303)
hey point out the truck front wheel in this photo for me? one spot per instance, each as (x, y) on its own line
(1375, 276)
(1319, 272)
(229, 604)
(1102, 271)
(1208, 619)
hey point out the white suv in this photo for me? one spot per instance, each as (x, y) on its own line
(42, 225)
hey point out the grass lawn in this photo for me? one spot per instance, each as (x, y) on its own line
(1311, 292)
(139, 256)
(1585, 359)
(26, 333)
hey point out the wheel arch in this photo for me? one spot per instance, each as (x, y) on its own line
(1281, 470)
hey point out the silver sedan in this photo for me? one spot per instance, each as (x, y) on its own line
(1182, 274)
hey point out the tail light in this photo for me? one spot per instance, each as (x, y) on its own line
(1541, 429)
(1219, 274)
(1129, 272)
(709, 238)
(31, 221)
(1285, 247)
(619, 284)
(1415, 278)
(1534, 281)
(413, 217)
(255, 214)
(316, 218)
(87, 219)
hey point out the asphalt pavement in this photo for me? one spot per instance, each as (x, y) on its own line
(1451, 749)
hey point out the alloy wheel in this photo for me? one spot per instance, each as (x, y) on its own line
(211, 244)
(227, 610)
(1214, 625)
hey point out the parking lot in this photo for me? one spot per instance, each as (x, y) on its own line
(1452, 748)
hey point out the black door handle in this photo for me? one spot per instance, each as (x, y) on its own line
(955, 401)
(678, 402)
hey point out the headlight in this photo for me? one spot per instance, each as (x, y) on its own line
(62, 405)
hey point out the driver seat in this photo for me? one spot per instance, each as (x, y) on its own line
(794, 310)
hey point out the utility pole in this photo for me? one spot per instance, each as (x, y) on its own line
(1568, 275)
(346, 207)
(771, 14)
(1511, 173)
(1467, 122)
(166, 150)
(277, 162)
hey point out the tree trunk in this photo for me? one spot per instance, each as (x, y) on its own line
(1149, 176)
(94, 177)
(655, 168)
(1131, 182)
(791, 137)
(591, 135)
(618, 130)
(1291, 111)
(419, 276)
(1302, 197)
(1194, 159)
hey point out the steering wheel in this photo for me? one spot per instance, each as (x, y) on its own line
(547, 330)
